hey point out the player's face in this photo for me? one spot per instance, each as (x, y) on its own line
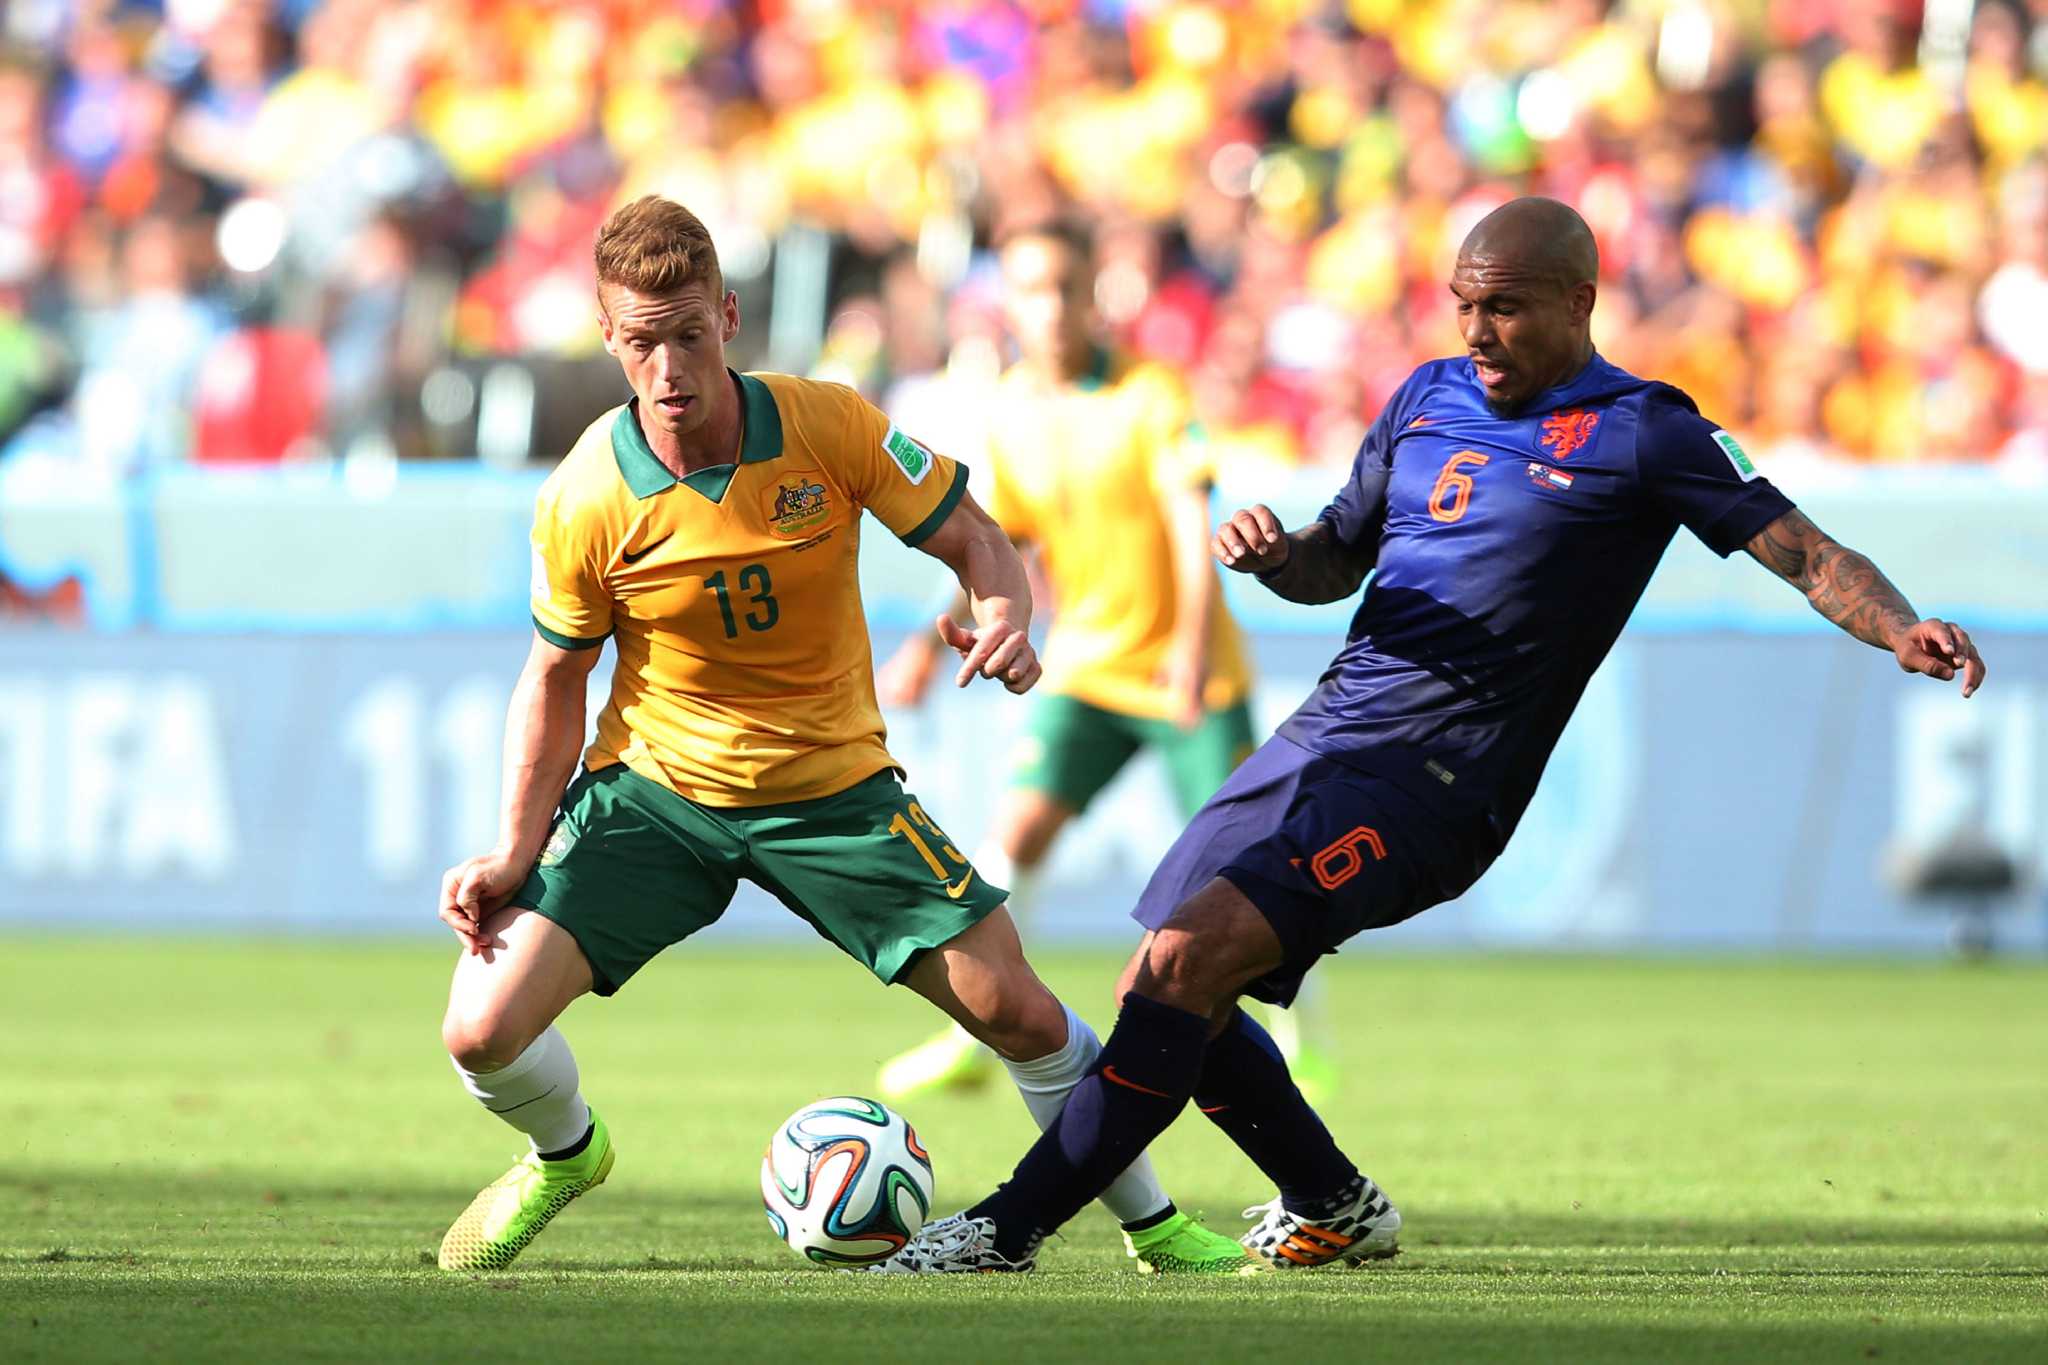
(1523, 331)
(672, 348)
(1045, 299)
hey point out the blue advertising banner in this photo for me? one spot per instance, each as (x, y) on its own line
(1733, 791)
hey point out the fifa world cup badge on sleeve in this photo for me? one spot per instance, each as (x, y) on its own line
(910, 456)
(1736, 455)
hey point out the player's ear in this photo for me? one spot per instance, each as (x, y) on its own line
(732, 315)
(1583, 296)
(604, 323)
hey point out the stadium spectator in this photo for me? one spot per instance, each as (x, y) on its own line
(1822, 180)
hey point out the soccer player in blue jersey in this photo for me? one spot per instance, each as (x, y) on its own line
(1512, 503)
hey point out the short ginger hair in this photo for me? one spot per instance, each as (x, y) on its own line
(656, 246)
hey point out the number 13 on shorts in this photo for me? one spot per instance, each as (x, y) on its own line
(918, 820)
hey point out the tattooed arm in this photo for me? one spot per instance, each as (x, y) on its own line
(1849, 590)
(1308, 565)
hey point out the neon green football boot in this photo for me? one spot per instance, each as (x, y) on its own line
(511, 1210)
(1182, 1246)
(951, 1061)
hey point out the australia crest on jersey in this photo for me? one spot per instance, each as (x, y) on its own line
(797, 504)
(1564, 432)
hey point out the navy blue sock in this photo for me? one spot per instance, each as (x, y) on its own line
(1247, 1092)
(1142, 1080)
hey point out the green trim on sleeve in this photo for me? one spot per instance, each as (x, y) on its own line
(561, 641)
(923, 530)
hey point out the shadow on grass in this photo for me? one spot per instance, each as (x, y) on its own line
(71, 1212)
(112, 1264)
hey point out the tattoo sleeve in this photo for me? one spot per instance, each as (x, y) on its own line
(1843, 585)
(1319, 567)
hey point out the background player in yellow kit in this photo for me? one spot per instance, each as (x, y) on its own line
(1090, 462)
(710, 529)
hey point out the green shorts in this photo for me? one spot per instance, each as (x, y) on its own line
(1070, 750)
(631, 867)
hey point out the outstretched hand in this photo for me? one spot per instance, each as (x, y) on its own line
(997, 650)
(1251, 541)
(1940, 649)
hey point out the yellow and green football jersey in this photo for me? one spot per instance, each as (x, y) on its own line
(1083, 471)
(744, 672)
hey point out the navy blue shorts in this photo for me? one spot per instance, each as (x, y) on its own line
(1323, 850)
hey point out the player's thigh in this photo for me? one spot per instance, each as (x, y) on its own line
(631, 868)
(875, 874)
(1215, 943)
(1320, 850)
(980, 979)
(1070, 750)
(1027, 821)
(505, 997)
(1201, 760)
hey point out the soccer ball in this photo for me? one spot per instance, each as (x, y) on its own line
(846, 1182)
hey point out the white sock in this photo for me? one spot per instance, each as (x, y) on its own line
(995, 866)
(536, 1093)
(1045, 1083)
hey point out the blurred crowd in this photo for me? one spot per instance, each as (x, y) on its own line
(236, 230)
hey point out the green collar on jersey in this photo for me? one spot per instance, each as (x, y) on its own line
(646, 475)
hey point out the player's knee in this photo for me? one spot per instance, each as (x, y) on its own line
(481, 1040)
(1025, 1025)
(1197, 970)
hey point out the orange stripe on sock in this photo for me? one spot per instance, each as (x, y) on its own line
(1109, 1074)
(1213, 1109)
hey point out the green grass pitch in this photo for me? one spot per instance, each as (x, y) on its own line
(248, 1152)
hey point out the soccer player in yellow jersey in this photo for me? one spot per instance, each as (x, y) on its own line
(709, 529)
(1091, 463)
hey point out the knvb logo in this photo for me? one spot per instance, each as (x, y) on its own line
(1564, 432)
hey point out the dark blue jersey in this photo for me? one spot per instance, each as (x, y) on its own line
(1510, 552)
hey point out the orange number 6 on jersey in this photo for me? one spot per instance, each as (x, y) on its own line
(1454, 485)
(1339, 862)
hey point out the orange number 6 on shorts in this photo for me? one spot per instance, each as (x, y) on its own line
(1340, 861)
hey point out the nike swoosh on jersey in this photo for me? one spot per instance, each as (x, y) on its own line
(635, 556)
(956, 892)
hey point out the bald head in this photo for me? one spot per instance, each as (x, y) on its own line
(1525, 283)
(1540, 237)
